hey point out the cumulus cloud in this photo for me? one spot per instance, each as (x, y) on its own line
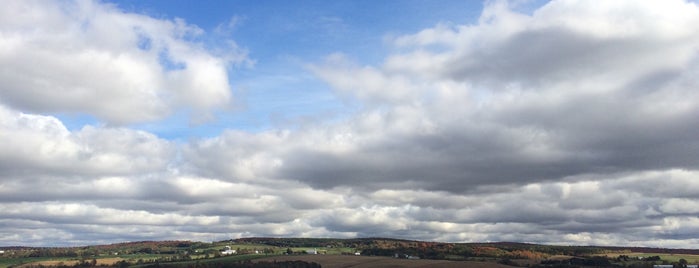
(519, 98)
(567, 118)
(37, 146)
(89, 57)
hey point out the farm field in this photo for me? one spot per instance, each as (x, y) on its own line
(214, 261)
(690, 258)
(338, 261)
(99, 262)
(7, 262)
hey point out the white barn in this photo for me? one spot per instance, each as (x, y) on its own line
(228, 251)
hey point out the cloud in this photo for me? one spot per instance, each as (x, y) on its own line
(574, 124)
(521, 98)
(89, 57)
(557, 124)
(37, 146)
(562, 41)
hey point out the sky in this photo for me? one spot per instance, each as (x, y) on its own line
(558, 122)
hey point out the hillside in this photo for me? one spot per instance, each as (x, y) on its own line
(188, 253)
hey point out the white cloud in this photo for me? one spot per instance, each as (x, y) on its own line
(89, 57)
(35, 145)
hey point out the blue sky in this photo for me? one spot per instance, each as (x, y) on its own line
(557, 122)
(281, 38)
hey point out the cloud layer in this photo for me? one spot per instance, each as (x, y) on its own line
(575, 124)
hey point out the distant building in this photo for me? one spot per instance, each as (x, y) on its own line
(228, 251)
(405, 256)
(357, 253)
(664, 266)
(2, 252)
(692, 266)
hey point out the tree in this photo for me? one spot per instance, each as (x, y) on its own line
(122, 264)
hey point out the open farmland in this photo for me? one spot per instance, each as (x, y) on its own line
(337, 261)
(690, 258)
(374, 252)
(99, 262)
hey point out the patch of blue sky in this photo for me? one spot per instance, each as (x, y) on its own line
(282, 38)
(76, 121)
(144, 42)
(262, 101)
(273, 112)
(312, 29)
(168, 63)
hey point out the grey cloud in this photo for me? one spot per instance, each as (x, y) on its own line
(558, 130)
(410, 161)
(559, 53)
(544, 103)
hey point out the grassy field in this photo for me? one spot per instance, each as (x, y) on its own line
(691, 259)
(53, 261)
(21, 262)
(198, 255)
(6, 262)
(250, 248)
(110, 261)
(71, 262)
(49, 261)
(336, 261)
(321, 250)
(227, 259)
(241, 246)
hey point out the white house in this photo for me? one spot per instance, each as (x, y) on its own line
(228, 251)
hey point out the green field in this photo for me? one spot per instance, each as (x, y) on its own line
(691, 259)
(246, 252)
(5, 262)
(227, 259)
